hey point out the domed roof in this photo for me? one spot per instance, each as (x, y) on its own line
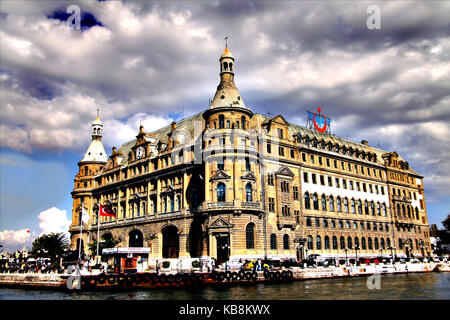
(226, 54)
(97, 122)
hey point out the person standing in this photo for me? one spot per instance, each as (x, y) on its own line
(213, 264)
(157, 267)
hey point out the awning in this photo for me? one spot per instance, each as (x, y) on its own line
(125, 250)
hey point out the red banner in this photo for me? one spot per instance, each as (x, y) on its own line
(107, 211)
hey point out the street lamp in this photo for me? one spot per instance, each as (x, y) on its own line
(346, 261)
(356, 251)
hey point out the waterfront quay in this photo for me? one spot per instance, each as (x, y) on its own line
(150, 280)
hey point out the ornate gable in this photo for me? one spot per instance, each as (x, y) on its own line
(219, 175)
(249, 176)
(285, 171)
(220, 223)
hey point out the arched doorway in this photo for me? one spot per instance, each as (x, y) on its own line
(171, 242)
(195, 240)
(136, 239)
(78, 245)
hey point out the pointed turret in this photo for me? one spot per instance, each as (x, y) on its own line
(227, 94)
(96, 151)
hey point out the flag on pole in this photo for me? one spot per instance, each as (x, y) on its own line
(84, 215)
(106, 211)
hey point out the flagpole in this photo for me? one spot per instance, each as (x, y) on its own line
(98, 227)
(81, 231)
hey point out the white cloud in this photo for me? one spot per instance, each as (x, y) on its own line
(15, 239)
(54, 220)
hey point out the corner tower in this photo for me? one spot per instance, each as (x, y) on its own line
(227, 94)
(93, 161)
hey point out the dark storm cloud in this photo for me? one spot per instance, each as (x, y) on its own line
(151, 58)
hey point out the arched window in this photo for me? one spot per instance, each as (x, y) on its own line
(384, 210)
(356, 242)
(369, 242)
(221, 121)
(310, 243)
(342, 241)
(353, 206)
(273, 241)
(338, 204)
(400, 243)
(363, 243)
(225, 66)
(378, 208)
(327, 243)
(417, 213)
(308, 222)
(359, 207)
(250, 235)
(286, 242)
(249, 192)
(324, 203)
(318, 243)
(376, 244)
(346, 205)
(366, 207)
(221, 188)
(388, 243)
(307, 201)
(382, 243)
(372, 207)
(243, 122)
(409, 212)
(315, 202)
(399, 213)
(331, 203)
(335, 246)
(404, 210)
(349, 243)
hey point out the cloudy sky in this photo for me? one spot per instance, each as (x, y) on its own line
(154, 62)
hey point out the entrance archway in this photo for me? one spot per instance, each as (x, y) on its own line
(136, 239)
(195, 240)
(223, 247)
(171, 242)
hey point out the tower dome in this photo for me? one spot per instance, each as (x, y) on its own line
(96, 151)
(227, 94)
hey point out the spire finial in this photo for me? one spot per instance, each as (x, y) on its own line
(226, 42)
(97, 113)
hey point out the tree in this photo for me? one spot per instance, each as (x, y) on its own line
(50, 245)
(106, 243)
(446, 223)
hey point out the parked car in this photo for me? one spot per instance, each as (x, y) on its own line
(234, 264)
(414, 261)
(291, 263)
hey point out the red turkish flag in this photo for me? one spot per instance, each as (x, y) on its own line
(107, 211)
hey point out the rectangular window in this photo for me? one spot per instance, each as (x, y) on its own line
(281, 151)
(220, 166)
(328, 162)
(292, 154)
(272, 204)
(344, 183)
(295, 193)
(305, 177)
(337, 182)
(330, 182)
(335, 164)
(322, 180)
(342, 165)
(312, 159)
(349, 167)
(270, 180)
(280, 133)
(358, 188)
(351, 185)
(314, 178)
(303, 157)
(269, 148)
(364, 187)
(362, 170)
(320, 160)
(382, 190)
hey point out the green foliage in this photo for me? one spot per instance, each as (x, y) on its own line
(107, 243)
(195, 264)
(50, 245)
(446, 223)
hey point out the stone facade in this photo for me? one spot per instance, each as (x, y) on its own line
(230, 183)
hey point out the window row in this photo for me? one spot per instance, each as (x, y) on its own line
(344, 205)
(347, 244)
(348, 224)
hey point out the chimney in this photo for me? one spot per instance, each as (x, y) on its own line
(364, 142)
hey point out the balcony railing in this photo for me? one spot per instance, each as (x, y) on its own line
(252, 205)
(215, 205)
